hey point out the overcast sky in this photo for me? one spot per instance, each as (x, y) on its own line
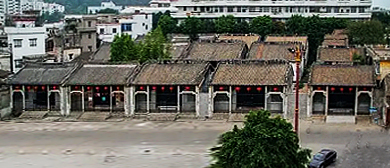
(381, 3)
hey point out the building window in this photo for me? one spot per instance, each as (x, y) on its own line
(146, 16)
(361, 9)
(201, 9)
(101, 30)
(230, 9)
(195, 8)
(146, 27)
(221, 9)
(90, 48)
(89, 24)
(70, 56)
(185, 8)
(89, 36)
(126, 27)
(353, 10)
(113, 30)
(243, 9)
(252, 9)
(18, 43)
(33, 42)
(238, 9)
(19, 63)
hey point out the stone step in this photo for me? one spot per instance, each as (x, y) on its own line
(341, 119)
(94, 116)
(33, 114)
(162, 116)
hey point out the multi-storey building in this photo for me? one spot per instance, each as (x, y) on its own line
(277, 9)
(136, 24)
(103, 5)
(27, 39)
(42, 6)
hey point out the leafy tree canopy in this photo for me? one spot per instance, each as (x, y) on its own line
(262, 142)
(369, 32)
(167, 24)
(54, 17)
(225, 24)
(192, 26)
(154, 47)
(108, 11)
(261, 25)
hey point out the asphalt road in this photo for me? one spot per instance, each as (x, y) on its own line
(166, 144)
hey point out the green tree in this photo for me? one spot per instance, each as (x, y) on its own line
(241, 27)
(108, 11)
(208, 26)
(296, 25)
(358, 58)
(261, 25)
(167, 24)
(225, 24)
(263, 142)
(154, 47)
(51, 18)
(278, 27)
(369, 32)
(192, 26)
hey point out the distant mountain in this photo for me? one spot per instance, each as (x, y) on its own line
(80, 6)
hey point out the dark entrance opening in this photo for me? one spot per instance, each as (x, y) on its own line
(249, 98)
(140, 103)
(54, 100)
(221, 103)
(341, 101)
(187, 103)
(166, 99)
(319, 101)
(364, 102)
(76, 101)
(17, 104)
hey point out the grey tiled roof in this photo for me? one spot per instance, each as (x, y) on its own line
(171, 74)
(102, 74)
(339, 54)
(102, 54)
(216, 51)
(343, 75)
(252, 74)
(271, 51)
(43, 74)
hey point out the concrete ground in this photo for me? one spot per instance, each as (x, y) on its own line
(141, 144)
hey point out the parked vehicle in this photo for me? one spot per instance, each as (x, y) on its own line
(323, 158)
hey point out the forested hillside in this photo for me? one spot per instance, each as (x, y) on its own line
(80, 6)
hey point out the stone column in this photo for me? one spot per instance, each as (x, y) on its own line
(178, 99)
(48, 97)
(132, 101)
(327, 101)
(126, 102)
(211, 101)
(197, 100)
(111, 94)
(266, 98)
(356, 101)
(230, 100)
(62, 100)
(147, 100)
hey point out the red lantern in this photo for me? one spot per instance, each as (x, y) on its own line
(35, 87)
(171, 88)
(54, 87)
(275, 89)
(97, 88)
(28, 88)
(237, 89)
(350, 89)
(341, 89)
(105, 88)
(17, 87)
(43, 87)
(318, 88)
(259, 89)
(248, 89)
(118, 88)
(332, 89)
(76, 87)
(365, 89)
(141, 88)
(187, 88)
(154, 88)
(88, 88)
(162, 88)
(221, 88)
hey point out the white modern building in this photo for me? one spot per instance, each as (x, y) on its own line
(26, 41)
(277, 9)
(136, 24)
(107, 31)
(42, 6)
(155, 6)
(103, 5)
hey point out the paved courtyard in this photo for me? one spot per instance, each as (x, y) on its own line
(140, 144)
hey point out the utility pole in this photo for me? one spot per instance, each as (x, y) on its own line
(297, 54)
